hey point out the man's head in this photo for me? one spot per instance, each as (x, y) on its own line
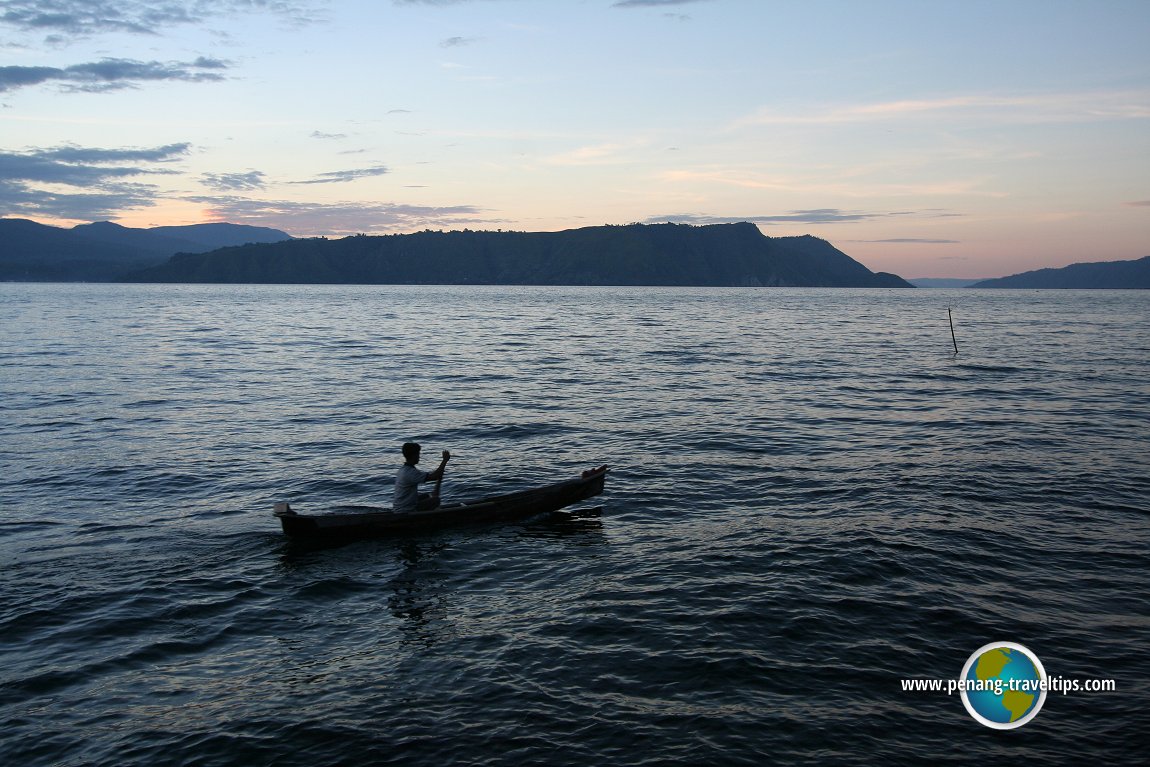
(411, 452)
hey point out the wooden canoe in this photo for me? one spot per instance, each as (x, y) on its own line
(371, 521)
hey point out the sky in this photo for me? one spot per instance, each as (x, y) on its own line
(963, 139)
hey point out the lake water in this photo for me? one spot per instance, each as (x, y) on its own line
(812, 498)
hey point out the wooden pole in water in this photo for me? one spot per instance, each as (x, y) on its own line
(953, 340)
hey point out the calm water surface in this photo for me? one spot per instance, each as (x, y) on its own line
(812, 498)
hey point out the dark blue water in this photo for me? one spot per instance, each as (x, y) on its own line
(812, 499)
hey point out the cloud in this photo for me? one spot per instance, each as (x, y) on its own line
(82, 17)
(738, 178)
(1019, 109)
(234, 182)
(912, 240)
(80, 182)
(653, 3)
(63, 19)
(813, 216)
(327, 136)
(843, 182)
(21, 200)
(76, 166)
(77, 154)
(339, 218)
(817, 216)
(111, 74)
(344, 176)
(458, 42)
(599, 154)
(429, 2)
(1139, 204)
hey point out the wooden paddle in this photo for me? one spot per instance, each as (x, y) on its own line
(439, 482)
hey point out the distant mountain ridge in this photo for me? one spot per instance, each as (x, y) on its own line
(1102, 275)
(636, 254)
(104, 251)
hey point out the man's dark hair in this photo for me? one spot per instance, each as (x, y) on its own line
(411, 450)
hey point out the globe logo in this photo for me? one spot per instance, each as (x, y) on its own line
(1003, 685)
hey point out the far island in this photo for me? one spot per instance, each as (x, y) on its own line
(104, 252)
(719, 255)
(1101, 275)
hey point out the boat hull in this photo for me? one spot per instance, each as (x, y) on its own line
(372, 522)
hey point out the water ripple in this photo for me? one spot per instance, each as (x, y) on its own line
(811, 499)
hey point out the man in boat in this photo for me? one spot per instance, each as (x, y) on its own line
(407, 495)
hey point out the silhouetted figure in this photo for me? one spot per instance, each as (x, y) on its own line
(407, 496)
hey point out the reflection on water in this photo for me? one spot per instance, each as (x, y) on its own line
(581, 527)
(419, 595)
